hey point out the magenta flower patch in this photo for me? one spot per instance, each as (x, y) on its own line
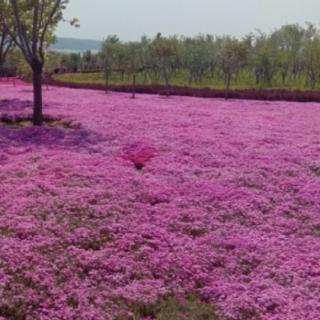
(139, 154)
(226, 207)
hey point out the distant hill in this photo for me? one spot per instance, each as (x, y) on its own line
(75, 45)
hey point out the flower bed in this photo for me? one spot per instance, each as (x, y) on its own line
(156, 200)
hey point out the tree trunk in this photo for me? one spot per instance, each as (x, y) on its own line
(212, 72)
(190, 78)
(167, 85)
(228, 82)
(257, 76)
(145, 75)
(133, 86)
(283, 78)
(313, 81)
(37, 94)
(107, 81)
(1, 63)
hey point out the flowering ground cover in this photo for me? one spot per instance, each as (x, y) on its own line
(149, 202)
(12, 81)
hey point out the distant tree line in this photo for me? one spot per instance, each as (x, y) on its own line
(290, 54)
(287, 57)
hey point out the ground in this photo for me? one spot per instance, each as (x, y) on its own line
(245, 81)
(159, 199)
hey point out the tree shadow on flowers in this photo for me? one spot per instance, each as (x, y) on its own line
(10, 105)
(17, 135)
(20, 140)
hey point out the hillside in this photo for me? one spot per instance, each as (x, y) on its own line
(75, 45)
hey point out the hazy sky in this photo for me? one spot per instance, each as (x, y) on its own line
(130, 19)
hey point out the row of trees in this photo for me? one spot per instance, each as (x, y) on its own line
(291, 53)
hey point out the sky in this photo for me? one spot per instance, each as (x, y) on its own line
(130, 19)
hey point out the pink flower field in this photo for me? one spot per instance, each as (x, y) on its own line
(159, 198)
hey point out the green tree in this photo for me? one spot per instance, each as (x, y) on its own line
(165, 51)
(109, 53)
(31, 25)
(311, 53)
(264, 60)
(232, 57)
(135, 63)
(288, 41)
(196, 57)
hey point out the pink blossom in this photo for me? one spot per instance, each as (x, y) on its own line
(226, 206)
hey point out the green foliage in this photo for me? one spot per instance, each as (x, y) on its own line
(24, 71)
(112, 53)
(6, 44)
(165, 53)
(31, 24)
(233, 56)
(287, 58)
(134, 62)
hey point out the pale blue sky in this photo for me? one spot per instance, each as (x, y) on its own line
(130, 19)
